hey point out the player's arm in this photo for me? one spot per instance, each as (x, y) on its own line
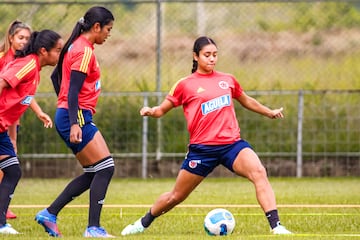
(40, 114)
(77, 80)
(157, 111)
(253, 105)
(3, 84)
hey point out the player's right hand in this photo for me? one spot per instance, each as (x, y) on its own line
(146, 111)
(75, 134)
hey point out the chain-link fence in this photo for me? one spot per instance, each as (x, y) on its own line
(268, 45)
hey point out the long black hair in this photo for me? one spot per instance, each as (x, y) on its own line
(44, 39)
(198, 45)
(94, 15)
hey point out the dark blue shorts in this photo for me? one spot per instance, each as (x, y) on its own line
(203, 159)
(6, 147)
(88, 128)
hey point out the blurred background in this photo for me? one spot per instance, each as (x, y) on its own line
(301, 55)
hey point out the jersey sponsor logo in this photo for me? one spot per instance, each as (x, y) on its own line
(194, 163)
(27, 100)
(223, 85)
(215, 104)
(97, 85)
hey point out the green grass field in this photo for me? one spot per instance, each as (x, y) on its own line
(313, 208)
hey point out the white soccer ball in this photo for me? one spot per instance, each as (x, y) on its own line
(219, 222)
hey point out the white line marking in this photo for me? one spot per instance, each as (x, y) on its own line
(200, 206)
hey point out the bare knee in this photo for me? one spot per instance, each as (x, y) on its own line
(257, 174)
(175, 198)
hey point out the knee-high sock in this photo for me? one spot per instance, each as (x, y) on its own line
(12, 175)
(75, 188)
(98, 191)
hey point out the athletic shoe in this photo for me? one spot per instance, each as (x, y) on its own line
(134, 228)
(280, 229)
(48, 221)
(7, 229)
(10, 214)
(96, 232)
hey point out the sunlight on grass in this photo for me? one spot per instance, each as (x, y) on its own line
(186, 220)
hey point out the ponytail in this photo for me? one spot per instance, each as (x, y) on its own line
(94, 15)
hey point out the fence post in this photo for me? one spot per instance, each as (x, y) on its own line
(158, 78)
(299, 160)
(145, 130)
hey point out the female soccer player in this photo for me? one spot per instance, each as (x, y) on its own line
(16, 37)
(77, 83)
(18, 83)
(206, 96)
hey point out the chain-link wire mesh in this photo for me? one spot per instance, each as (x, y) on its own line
(274, 46)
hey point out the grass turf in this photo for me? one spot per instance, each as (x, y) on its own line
(313, 208)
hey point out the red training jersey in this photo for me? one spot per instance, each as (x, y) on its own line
(23, 76)
(80, 57)
(208, 107)
(6, 58)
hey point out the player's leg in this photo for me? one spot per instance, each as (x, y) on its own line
(10, 166)
(12, 132)
(248, 164)
(98, 165)
(12, 174)
(96, 155)
(185, 183)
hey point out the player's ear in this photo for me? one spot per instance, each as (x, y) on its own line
(195, 57)
(96, 27)
(42, 51)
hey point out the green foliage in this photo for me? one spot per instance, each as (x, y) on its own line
(128, 63)
(325, 15)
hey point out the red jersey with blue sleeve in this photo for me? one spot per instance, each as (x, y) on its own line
(80, 57)
(208, 107)
(6, 58)
(23, 76)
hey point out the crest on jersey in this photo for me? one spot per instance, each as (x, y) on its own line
(223, 85)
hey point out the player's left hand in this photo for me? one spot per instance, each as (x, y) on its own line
(277, 113)
(46, 120)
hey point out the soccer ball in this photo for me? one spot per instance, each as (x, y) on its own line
(219, 222)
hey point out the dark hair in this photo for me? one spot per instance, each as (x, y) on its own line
(94, 15)
(198, 45)
(44, 39)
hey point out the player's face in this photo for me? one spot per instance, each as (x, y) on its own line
(104, 33)
(207, 59)
(52, 57)
(19, 39)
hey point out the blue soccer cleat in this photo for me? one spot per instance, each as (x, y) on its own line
(48, 221)
(96, 232)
